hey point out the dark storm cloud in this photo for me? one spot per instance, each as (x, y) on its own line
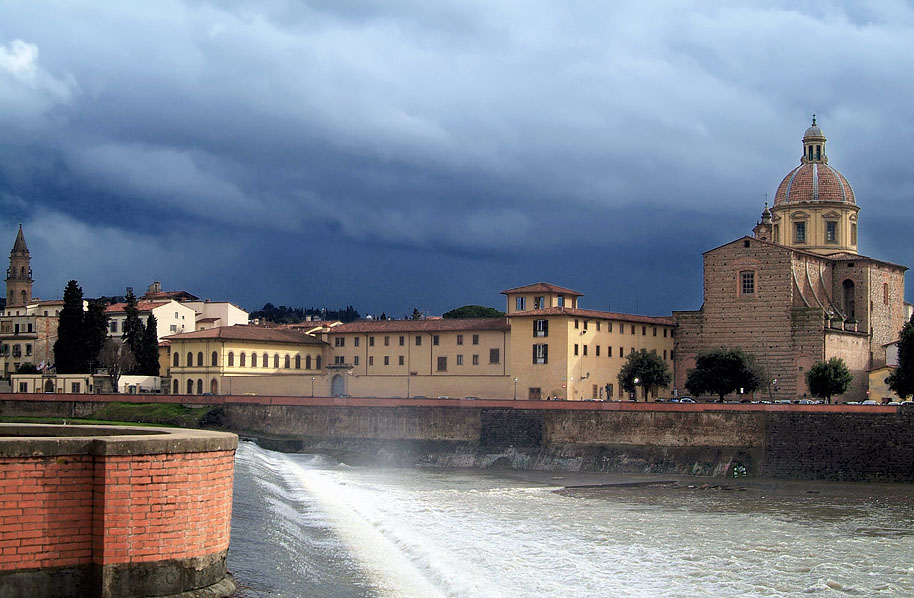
(400, 154)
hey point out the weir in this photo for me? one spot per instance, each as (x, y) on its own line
(836, 442)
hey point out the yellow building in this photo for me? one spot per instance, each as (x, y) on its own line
(562, 351)
(210, 361)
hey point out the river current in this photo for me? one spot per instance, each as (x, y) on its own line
(305, 525)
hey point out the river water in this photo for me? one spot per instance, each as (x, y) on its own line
(305, 525)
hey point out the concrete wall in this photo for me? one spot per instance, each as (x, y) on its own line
(113, 512)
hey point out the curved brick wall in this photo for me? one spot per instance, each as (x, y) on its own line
(114, 511)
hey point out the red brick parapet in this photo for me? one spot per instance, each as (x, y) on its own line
(114, 511)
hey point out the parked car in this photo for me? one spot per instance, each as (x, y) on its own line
(471, 398)
(686, 400)
(444, 397)
(870, 402)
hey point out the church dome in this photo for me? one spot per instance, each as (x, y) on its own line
(814, 180)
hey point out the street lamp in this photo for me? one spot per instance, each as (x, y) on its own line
(312, 387)
(515, 389)
(635, 383)
(407, 385)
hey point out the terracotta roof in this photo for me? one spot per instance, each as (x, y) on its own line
(140, 305)
(49, 302)
(814, 182)
(442, 325)
(543, 287)
(177, 295)
(208, 319)
(596, 314)
(243, 332)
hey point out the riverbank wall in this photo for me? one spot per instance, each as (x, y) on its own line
(836, 442)
(111, 511)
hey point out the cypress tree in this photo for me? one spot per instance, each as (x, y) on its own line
(150, 361)
(95, 331)
(70, 347)
(133, 331)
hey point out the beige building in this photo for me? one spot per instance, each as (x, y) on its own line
(242, 359)
(171, 317)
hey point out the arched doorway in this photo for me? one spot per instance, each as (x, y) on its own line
(849, 299)
(49, 386)
(337, 385)
(214, 386)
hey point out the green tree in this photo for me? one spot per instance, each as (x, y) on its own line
(70, 347)
(133, 331)
(473, 311)
(723, 371)
(648, 368)
(901, 380)
(417, 315)
(149, 362)
(95, 331)
(826, 379)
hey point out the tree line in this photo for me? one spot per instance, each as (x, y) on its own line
(295, 315)
(83, 343)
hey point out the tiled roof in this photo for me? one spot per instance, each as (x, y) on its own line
(543, 287)
(814, 182)
(176, 295)
(140, 306)
(248, 333)
(443, 325)
(596, 314)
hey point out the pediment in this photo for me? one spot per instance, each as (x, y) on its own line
(799, 216)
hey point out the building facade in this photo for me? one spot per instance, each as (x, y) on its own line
(797, 291)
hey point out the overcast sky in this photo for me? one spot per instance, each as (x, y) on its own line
(405, 153)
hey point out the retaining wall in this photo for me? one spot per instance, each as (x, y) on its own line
(114, 511)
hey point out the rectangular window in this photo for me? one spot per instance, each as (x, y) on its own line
(371, 341)
(387, 360)
(609, 327)
(23, 387)
(664, 354)
(520, 303)
(747, 282)
(560, 301)
(576, 349)
(113, 325)
(585, 324)
(435, 339)
(475, 339)
(339, 360)
(74, 387)
(598, 327)
(585, 350)
(339, 341)
(853, 234)
(644, 331)
(386, 341)
(418, 340)
(173, 328)
(831, 231)
(799, 232)
(535, 393)
(460, 360)
(494, 356)
(402, 340)
(355, 341)
(540, 354)
(541, 328)
(29, 325)
(476, 360)
(598, 350)
(539, 302)
(401, 360)
(664, 333)
(577, 324)
(621, 351)
(655, 331)
(459, 340)
(633, 329)
(28, 350)
(442, 364)
(371, 360)
(355, 360)
(609, 391)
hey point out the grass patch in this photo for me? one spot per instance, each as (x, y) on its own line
(167, 414)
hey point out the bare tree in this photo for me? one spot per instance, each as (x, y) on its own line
(117, 358)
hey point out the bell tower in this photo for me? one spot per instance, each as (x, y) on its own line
(19, 275)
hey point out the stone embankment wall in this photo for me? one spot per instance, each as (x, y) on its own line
(114, 512)
(841, 442)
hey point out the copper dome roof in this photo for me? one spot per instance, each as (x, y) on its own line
(814, 182)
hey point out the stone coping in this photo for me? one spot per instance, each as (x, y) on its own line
(48, 440)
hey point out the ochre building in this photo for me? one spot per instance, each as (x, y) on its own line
(797, 291)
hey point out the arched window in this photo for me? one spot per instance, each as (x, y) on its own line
(242, 360)
(276, 360)
(199, 359)
(199, 386)
(849, 299)
(190, 387)
(318, 362)
(176, 363)
(298, 362)
(176, 387)
(307, 362)
(214, 358)
(253, 360)
(231, 357)
(190, 359)
(266, 360)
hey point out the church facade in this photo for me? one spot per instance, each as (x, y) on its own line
(797, 291)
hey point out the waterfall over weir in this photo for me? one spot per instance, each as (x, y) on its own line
(304, 525)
